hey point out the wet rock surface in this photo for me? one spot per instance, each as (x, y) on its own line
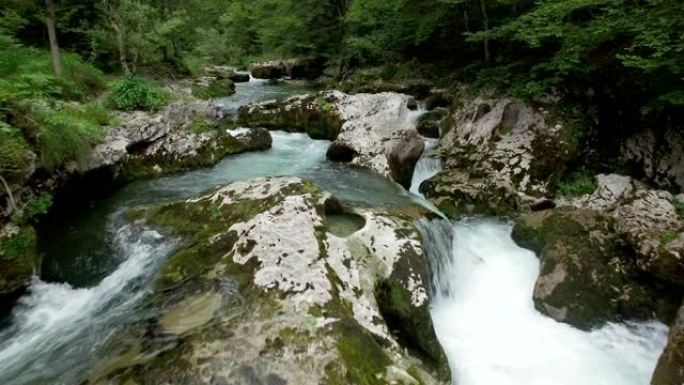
(499, 155)
(184, 135)
(373, 131)
(302, 68)
(588, 275)
(261, 292)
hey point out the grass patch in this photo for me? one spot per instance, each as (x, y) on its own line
(679, 207)
(65, 136)
(577, 183)
(200, 125)
(668, 237)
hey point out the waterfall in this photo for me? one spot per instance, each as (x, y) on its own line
(428, 166)
(57, 328)
(485, 318)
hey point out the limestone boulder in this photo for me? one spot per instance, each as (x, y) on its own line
(500, 145)
(267, 287)
(588, 276)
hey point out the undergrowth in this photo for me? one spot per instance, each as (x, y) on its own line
(576, 183)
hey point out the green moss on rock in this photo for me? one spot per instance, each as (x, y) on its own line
(18, 258)
(587, 276)
(213, 88)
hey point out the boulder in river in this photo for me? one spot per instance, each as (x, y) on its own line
(220, 72)
(302, 68)
(185, 135)
(275, 282)
(373, 131)
(211, 88)
(588, 276)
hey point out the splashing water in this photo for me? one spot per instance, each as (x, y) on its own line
(485, 318)
(428, 166)
(56, 326)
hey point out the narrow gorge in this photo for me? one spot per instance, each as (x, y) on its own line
(317, 237)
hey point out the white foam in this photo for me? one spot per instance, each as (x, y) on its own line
(485, 318)
(428, 166)
(54, 318)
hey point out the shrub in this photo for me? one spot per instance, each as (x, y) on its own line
(577, 183)
(133, 93)
(679, 206)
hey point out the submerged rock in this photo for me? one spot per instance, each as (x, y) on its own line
(498, 156)
(373, 131)
(588, 276)
(670, 368)
(262, 291)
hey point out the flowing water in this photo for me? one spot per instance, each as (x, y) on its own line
(485, 319)
(482, 310)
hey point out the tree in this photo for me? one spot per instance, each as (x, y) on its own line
(52, 35)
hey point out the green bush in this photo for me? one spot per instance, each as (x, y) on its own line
(133, 93)
(577, 183)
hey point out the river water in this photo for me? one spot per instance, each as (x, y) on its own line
(484, 317)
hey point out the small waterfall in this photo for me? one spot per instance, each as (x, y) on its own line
(485, 319)
(428, 166)
(57, 328)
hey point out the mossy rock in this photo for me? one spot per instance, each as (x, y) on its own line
(309, 114)
(213, 88)
(587, 276)
(457, 195)
(261, 291)
(18, 257)
(211, 152)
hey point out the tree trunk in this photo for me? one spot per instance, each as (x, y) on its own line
(52, 35)
(121, 45)
(485, 20)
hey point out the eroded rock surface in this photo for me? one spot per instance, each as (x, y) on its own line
(303, 68)
(184, 135)
(499, 156)
(275, 297)
(588, 275)
(660, 157)
(373, 131)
